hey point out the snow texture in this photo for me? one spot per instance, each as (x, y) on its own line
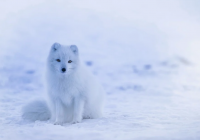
(145, 54)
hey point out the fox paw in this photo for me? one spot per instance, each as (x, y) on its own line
(58, 123)
(76, 121)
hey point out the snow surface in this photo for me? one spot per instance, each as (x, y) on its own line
(145, 53)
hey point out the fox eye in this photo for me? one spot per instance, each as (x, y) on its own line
(70, 61)
(58, 60)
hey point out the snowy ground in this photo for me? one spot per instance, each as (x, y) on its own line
(144, 53)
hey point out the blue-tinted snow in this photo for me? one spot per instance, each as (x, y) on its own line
(145, 53)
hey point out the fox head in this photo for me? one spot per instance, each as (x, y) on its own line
(62, 59)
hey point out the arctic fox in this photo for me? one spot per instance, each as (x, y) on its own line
(73, 93)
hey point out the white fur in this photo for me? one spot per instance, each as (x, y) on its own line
(72, 95)
(36, 110)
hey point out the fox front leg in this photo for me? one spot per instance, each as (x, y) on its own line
(59, 113)
(78, 110)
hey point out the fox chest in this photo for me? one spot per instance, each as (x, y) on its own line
(65, 92)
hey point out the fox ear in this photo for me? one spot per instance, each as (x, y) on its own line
(74, 49)
(55, 46)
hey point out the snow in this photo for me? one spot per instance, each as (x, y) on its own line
(144, 53)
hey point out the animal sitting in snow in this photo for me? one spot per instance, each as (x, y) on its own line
(72, 92)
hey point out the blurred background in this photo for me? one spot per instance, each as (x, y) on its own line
(148, 30)
(112, 34)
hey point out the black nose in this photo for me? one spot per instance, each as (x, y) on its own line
(63, 69)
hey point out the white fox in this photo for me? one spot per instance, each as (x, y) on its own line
(73, 92)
